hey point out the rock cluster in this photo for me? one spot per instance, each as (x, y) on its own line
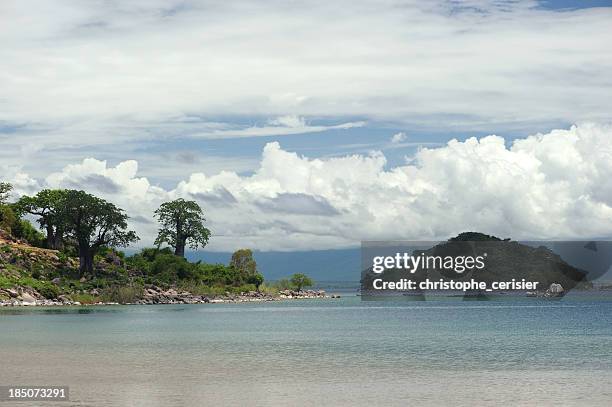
(29, 297)
(156, 295)
(292, 294)
(555, 290)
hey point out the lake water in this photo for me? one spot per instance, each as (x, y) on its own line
(514, 351)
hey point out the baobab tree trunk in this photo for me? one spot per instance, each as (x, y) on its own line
(85, 259)
(58, 243)
(179, 250)
(50, 237)
(54, 238)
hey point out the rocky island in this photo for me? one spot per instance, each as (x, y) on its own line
(486, 264)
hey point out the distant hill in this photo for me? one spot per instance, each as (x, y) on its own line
(501, 259)
(508, 259)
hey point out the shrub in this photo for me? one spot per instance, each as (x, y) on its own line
(161, 267)
(149, 254)
(49, 291)
(45, 288)
(255, 279)
(201, 289)
(23, 229)
(283, 284)
(6, 282)
(297, 282)
(8, 219)
(70, 249)
(245, 288)
(84, 298)
(217, 274)
(268, 289)
(171, 268)
(300, 281)
(122, 295)
(63, 257)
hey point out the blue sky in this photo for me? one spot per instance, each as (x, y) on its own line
(312, 125)
(574, 4)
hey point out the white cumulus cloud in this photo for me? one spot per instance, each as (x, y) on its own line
(554, 185)
(398, 137)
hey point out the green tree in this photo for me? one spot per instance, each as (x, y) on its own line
(23, 229)
(300, 280)
(93, 223)
(7, 216)
(48, 205)
(182, 223)
(257, 279)
(5, 188)
(244, 264)
(8, 219)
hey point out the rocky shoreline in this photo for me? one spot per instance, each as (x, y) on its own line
(154, 295)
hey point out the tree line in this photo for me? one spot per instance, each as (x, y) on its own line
(79, 222)
(89, 223)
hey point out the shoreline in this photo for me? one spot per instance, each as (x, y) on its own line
(172, 297)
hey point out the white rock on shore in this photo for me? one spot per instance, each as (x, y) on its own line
(27, 298)
(156, 295)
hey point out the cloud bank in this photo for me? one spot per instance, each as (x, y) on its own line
(551, 186)
(106, 71)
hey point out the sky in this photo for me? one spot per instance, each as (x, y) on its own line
(313, 125)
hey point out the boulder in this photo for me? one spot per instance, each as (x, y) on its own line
(149, 292)
(64, 299)
(113, 258)
(555, 290)
(170, 293)
(13, 293)
(27, 298)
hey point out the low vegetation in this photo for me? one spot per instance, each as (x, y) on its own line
(74, 254)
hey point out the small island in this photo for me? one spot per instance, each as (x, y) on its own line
(76, 260)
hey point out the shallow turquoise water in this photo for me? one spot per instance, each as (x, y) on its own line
(514, 351)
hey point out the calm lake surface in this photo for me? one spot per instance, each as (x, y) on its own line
(514, 351)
